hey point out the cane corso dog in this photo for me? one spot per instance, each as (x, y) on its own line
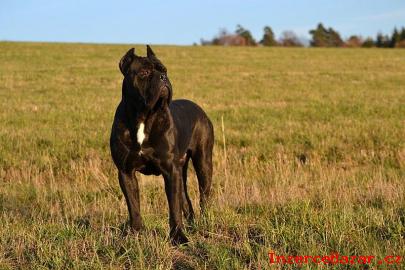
(153, 134)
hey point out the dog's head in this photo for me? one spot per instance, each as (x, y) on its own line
(146, 78)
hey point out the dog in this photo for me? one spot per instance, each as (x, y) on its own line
(153, 134)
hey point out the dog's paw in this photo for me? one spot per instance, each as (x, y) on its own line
(179, 239)
(128, 228)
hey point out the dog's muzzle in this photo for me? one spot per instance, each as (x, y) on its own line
(164, 91)
(156, 101)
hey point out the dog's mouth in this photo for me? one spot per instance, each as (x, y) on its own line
(159, 100)
(164, 91)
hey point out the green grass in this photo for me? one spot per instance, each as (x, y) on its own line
(340, 110)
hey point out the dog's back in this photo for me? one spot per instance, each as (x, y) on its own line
(193, 125)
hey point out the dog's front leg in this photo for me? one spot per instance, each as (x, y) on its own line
(129, 186)
(173, 188)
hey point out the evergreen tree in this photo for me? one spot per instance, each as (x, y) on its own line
(319, 36)
(334, 38)
(322, 37)
(268, 37)
(396, 38)
(368, 43)
(379, 41)
(382, 41)
(240, 31)
(402, 36)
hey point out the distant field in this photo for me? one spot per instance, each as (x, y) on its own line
(315, 147)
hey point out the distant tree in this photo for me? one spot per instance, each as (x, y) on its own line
(204, 42)
(290, 39)
(319, 36)
(221, 33)
(216, 40)
(379, 41)
(368, 43)
(382, 41)
(335, 40)
(322, 37)
(354, 42)
(224, 38)
(269, 38)
(395, 38)
(242, 32)
(232, 40)
(401, 43)
(402, 34)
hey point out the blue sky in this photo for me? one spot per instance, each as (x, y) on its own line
(184, 22)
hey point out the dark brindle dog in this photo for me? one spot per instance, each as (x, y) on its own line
(152, 134)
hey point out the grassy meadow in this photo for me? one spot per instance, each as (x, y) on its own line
(309, 158)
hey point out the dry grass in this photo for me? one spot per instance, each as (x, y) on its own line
(314, 157)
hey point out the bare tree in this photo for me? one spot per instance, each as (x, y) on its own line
(354, 42)
(290, 39)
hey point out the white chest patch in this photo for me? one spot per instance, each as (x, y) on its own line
(140, 135)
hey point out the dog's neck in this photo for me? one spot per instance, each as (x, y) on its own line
(134, 105)
(140, 118)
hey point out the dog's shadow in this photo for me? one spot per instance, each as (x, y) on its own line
(183, 257)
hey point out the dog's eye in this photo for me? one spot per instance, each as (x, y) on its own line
(161, 68)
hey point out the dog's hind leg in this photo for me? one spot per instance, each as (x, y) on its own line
(129, 186)
(202, 161)
(186, 202)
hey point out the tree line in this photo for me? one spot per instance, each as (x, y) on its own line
(321, 36)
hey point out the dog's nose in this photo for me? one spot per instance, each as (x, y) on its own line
(163, 77)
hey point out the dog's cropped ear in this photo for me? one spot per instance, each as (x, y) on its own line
(126, 61)
(152, 57)
(149, 52)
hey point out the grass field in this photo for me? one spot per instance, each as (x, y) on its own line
(313, 160)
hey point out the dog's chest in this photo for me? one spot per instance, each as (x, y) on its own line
(145, 148)
(136, 139)
(148, 146)
(140, 134)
